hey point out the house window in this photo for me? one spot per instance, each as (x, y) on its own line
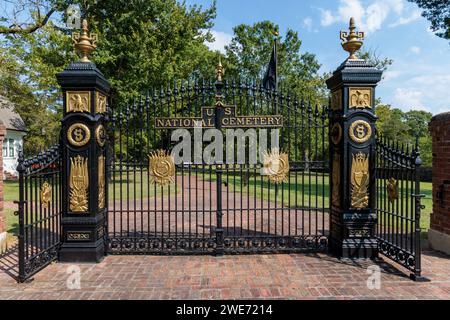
(8, 148)
(11, 148)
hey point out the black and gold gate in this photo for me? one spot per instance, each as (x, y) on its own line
(157, 207)
(399, 204)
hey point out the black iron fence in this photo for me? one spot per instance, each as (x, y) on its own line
(217, 208)
(399, 203)
(39, 211)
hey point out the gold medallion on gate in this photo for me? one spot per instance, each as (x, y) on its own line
(276, 166)
(336, 133)
(100, 135)
(78, 135)
(161, 168)
(360, 131)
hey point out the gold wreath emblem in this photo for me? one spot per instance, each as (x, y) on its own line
(46, 195)
(161, 168)
(336, 133)
(100, 135)
(78, 135)
(276, 166)
(360, 131)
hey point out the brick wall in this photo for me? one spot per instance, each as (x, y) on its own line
(2, 214)
(439, 235)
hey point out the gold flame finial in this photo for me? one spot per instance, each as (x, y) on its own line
(220, 71)
(352, 40)
(84, 43)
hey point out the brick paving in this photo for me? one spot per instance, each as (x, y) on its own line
(296, 276)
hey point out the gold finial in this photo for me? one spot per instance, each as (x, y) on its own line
(352, 41)
(84, 43)
(220, 71)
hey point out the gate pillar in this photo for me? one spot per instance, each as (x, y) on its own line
(83, 141)
(352, 153)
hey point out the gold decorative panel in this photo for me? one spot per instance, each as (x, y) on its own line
(101, 182)
(336, 176)
(276, 166)
(78, 101)
(392, 190)
(79, 184)
(336, 133)
(360, 98)
(360, 181)
(161, 168)
(46, 195)
(78, 135)
(360, 131)
(336, 100)
(79, 236)
(100, 103)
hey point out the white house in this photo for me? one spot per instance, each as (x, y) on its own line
(13, 143)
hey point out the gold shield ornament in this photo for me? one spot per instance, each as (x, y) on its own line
(276, 166)
(79, 184)
(392, 190)
(161, 168)
(360, 181)
(46, 195)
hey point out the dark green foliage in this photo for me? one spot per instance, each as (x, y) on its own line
(438, 13)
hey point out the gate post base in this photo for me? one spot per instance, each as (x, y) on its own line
(91, 253)
(354, 248)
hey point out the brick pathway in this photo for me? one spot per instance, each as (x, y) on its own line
(232, 277)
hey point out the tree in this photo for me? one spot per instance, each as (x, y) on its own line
(28, 16)
(142, 44)
(249, 52)
(376, 60)
(438, 13)
(403, 127)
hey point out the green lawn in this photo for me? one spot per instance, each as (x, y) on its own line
(312, 192)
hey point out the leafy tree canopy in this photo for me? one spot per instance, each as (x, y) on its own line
(438, 13)
(249, 52)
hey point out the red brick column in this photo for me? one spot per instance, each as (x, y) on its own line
(2, 214)
(439, 233)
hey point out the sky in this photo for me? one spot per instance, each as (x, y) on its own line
(419, 78)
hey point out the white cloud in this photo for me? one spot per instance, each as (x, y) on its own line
(413, 16)
(370, 18)
(409, 99)
(308, 23)
(351, 8)
(221, 39)
(425, 92)
(327, 18)
(415, 49)
(391, 74)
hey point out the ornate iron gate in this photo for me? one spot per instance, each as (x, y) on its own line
(399, 204)
(39, 211)
(219, 208)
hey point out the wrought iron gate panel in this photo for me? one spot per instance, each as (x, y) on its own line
(217, 208)
(39, 211)
(399, 204)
